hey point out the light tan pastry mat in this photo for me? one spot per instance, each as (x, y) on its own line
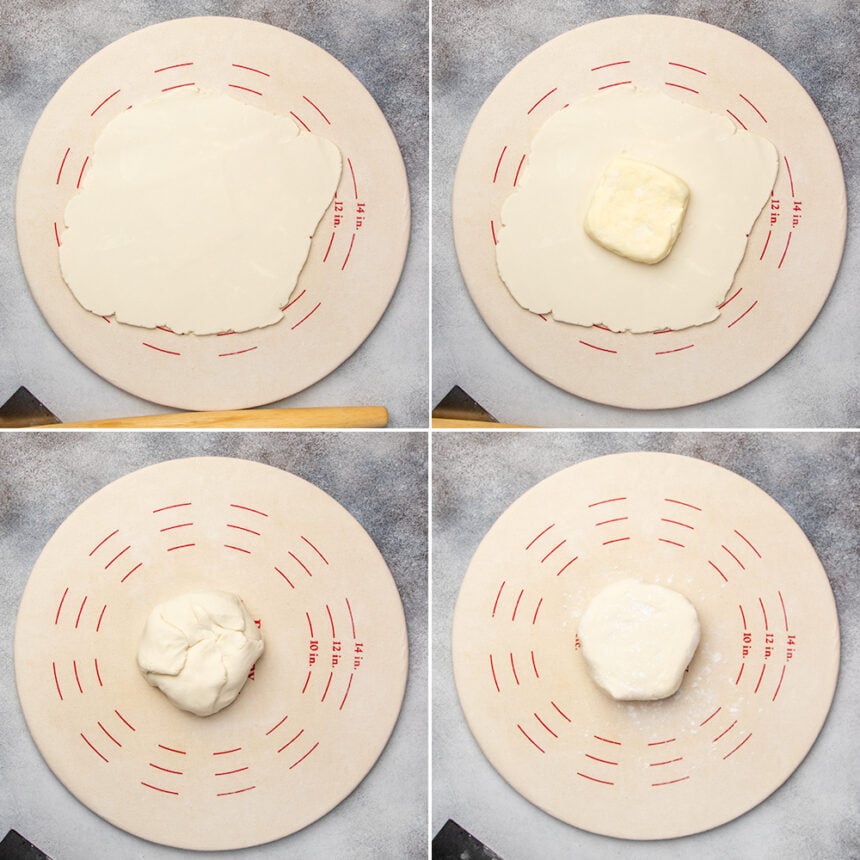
(794, 248)
(321, 702)
(358, 248)
(755, 694)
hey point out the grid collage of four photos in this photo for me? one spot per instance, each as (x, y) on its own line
(428, 429)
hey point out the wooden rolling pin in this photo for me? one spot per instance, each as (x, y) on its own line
(311, 417)
(463, 423)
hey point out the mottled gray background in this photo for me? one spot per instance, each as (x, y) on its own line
(814, 476)
(475, 44)
(44, 477)
(384, 43)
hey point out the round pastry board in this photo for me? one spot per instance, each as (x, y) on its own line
(754, 696)
(357, 252)
(319, 706)
(794, 248)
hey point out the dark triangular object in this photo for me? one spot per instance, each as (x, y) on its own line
(452, 842)
(457, 404)
(22, 409)
(15, 847)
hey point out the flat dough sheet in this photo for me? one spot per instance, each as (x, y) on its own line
(324, 697)
(794, 248)
(758, 688)
(356, 255)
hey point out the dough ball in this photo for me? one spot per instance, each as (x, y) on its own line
(637, 210)
(198, 649)
(638, 639)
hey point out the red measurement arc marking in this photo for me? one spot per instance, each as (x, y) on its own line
(174, 66)
(177, 526)
(677, 349)
(737, 680)
(761, 675)
(181, 546)
(498, 596)
(737, 119)
(89, 744)
(733, 322)
(519, 168)
(138, 565)
(607, 501)
(108, 734)
(669, 781)
(534, 539)
(616, 84)
(171, 749)
(747, 543)
(718, 571)
(684, 66)
(285, 577)
(673, 542)
(517, 605)
(602, 760)
(227, 752)
(99, 106)
(102, 542)
(724, 732)
(162, 790)
(660, 743)
(734, 295)
(766, 240)
(784, 252)
(737, 747)
(557, 546)
(314, 548)
(676, 523)
(685, 504)
(230, 772)
(330, 621)
(493, 232)
(180, 86)
(59, 608)
(118, 555)
(342, 267)
(594, 778)
(293, 301)
(514, 668)
(240, 528)
(128, 723)
(56, 234)
(299, 761)
(615, 520)
(237, 791)
(708, 719)
(498, 165)
(171, 507)
(166, 769)
(299, 562)
(608, 65)
(98, 674)
(56, 681)
(567, 565)
(101, 615)
(599, 348)
(668, 761)
(545, 725)
(352, 174)
(77, 678)
(327, 120)
(542, 98)
(307, 681)
(277, 725)
(159, 349)
(81, 174)
(348, 685)
(528, 737)
(681, 87)
(737, 560)
(245, 89)
(492, 670)
(779, 684)
(62, 164)
(537, 609)
(615, 540)
(534, 666)
(784, 615)
(753, 107)
(250, 69)
(743, 616)
(563, 715)
(763, 612)
(237, 352)
(310, 624)
(325, 257)
(788, 168)
(351, 619)
(301, 122)
(606, 740)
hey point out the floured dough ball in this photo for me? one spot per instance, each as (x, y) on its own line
(198, 649)
(637, 210)
(638, 639)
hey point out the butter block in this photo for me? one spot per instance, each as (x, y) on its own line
(637, 210)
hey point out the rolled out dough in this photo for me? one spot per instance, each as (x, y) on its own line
(551, 265)
(198, 649)
(196, 214)
(638, 639)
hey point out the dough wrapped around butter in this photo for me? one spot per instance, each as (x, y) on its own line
(638, 639)
(198, 649)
